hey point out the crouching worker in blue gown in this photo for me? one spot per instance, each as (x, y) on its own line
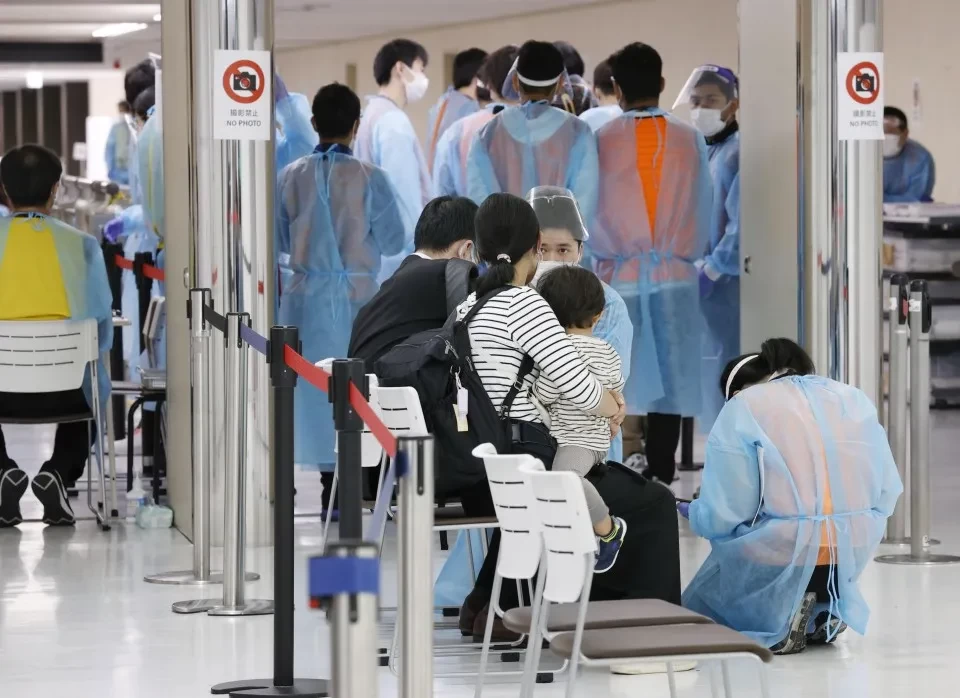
(337, 217)
(48, 271)
(797, 486)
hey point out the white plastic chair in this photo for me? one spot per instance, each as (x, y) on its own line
(570, 546)
(50, 357)
(520, 537)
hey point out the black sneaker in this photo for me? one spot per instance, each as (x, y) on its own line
(826, 629)
(796, 639)
(13, 483)
(49, 489)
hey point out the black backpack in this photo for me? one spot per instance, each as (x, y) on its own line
(437, 363)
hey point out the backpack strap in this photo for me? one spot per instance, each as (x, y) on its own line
(526, 366)
(458, 274)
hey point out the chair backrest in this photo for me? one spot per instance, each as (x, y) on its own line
(46, 356)
(371, 453)
(568, 535)
(520, 540)
(156, 314)
(401, 412)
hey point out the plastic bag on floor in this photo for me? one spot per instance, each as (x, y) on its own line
(154, 516)
(455, 581)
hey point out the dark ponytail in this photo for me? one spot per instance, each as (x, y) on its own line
(507, 229)
(776, 356)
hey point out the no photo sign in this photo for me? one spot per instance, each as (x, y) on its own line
(860, 96)
(242, 101)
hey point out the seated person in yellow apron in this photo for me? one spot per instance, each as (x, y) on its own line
(798, 483)
(48, 271)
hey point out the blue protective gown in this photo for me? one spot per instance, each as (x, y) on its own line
(296, 137)
(117, 152)
(4, 211)
(452, 106)
(450, 163)
(598, 117)
(138, 236)
(651, 264)
(910, 176)
(616, 329)
(721, 305)
(337, 217)
(798, 473)
(387, 139)
(534, 145)
(43, 262)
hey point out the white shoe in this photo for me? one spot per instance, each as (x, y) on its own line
(643, 668)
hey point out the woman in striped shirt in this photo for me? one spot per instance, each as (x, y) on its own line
(518, 322)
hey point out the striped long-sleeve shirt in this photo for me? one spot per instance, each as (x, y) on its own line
(516, 322)
(569, 424)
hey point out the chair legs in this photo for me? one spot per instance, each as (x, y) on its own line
(329, 517)
(535, 640)
(671, 680)
(488, 634)
(101, 511)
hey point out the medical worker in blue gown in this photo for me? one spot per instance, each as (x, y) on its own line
(562, 234)
(450, 163)
(117, 151)
(129, 228)
(712, 95)
(337, 218)
(608, 106)
(909, 173)
(295, 136)
(798, 483)
(535, 144)
(460, 99)
(387, 139)
(652, 226)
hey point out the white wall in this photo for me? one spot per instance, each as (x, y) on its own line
(105, 91)
(916, 40)
(687, 33)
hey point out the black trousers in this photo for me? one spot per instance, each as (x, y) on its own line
(663, 438)
(72, 441)
(649, 563)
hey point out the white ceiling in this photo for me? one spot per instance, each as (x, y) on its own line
(297, 22)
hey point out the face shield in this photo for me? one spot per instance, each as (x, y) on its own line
(510, 92)
(709, 87)
(562, 230)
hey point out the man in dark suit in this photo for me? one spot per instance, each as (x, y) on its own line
(415, 298)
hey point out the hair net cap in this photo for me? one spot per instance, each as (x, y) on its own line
(557, 207)
(724, 78)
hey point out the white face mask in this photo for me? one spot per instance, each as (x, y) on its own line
(891, 145)
(709, 122)
(545, 267)
(416, 86)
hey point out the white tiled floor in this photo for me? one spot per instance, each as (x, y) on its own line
(76, 618)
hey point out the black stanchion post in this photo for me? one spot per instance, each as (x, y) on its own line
(284, 381)
(349, 428)
(147, 417)
(115, 277)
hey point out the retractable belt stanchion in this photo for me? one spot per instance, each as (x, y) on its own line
(345, 582)
(415, 526)
(898, 305)
(202, 452)
(235, 602)
(349, 428)
(920, 321)
(284, 381)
